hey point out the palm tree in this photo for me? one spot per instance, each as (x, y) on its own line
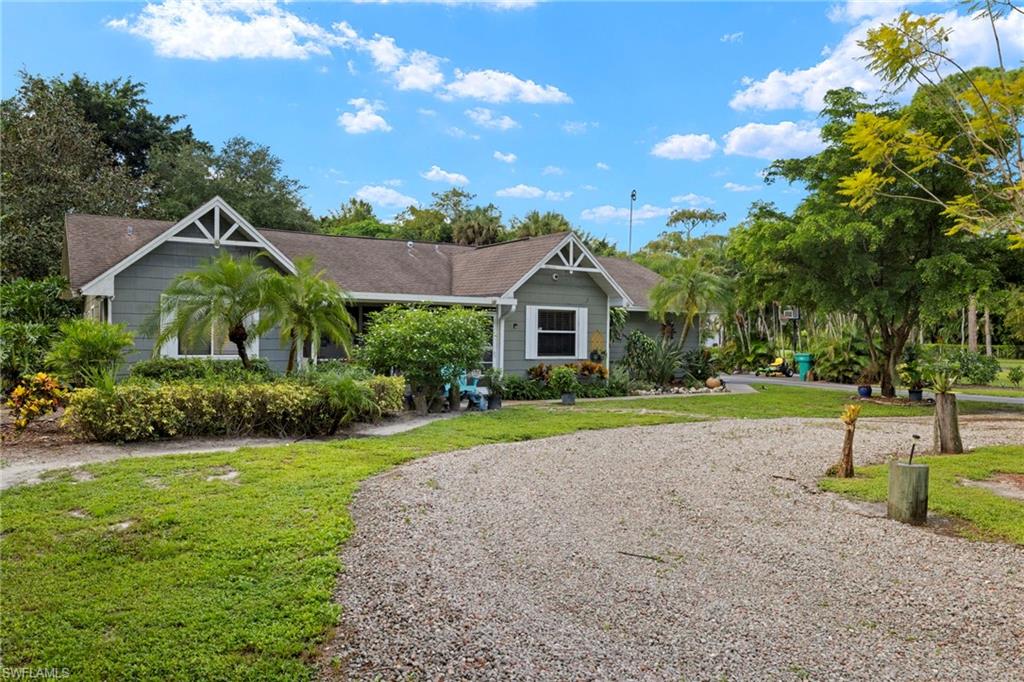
(478, 226)
(689, 289)
(224, 294)
(308, 308)
(536, 224)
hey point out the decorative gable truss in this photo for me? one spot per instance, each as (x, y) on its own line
(214, 223)
(572, 257)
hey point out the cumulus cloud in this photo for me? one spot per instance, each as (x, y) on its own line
(578, 127)
(734, 187)
(601, 165)
(771, 141)
(437, 174)
(690, 146)
(497, 87)
(379, 195)
(485, 118)
(364, 119)
(530, 192)
(692, 200)
(460, 134)
(736, 37)
(608, 213)
(505, 157)
(552, 170)
(843, 65)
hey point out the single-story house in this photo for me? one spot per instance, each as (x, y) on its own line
(549, 296)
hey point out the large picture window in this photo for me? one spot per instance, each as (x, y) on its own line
(216, 345)
(556, 333)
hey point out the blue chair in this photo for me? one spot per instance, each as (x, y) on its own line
(469, 388)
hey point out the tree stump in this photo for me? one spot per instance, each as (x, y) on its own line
(845, 469)
(947, 425)
(908, 493)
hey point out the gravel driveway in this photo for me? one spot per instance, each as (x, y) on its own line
(668, 552)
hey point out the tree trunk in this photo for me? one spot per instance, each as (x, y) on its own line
(292, 352)
(988, 333)
(947, 425)
(239, 336)
(972, 324)
(846, 463)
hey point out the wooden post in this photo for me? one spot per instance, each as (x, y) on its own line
(947, 425)
(846, 463)
(908, 493)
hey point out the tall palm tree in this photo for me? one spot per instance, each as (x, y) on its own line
(478, 226)
(309, 308)
(224, 294)
(689, 288)
(536, 224)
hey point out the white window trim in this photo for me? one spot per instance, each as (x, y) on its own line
(170, 347)
(580, 333)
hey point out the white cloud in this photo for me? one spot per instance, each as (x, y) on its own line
(497, 87)
(351, 66)
(855, 10)
(607, 213)
(693, 200)
(690, 146)
(774, 141)
(437, 174)
(426, 112)
(193, 29)
(497, 5)
(379, 195)
(732, 37)
(589, 188)
(734, 187)
(552, 170)
(578, 127)
(530, 192)
(365, 119)
(460, 134)
(505, 158)
(485, 118)
(601, 165)
(323, 70)
(393, 182)
(843, 65)
(422, 72)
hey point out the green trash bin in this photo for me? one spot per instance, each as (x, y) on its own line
(803, 364)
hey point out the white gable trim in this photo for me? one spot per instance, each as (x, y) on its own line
(103, 285)
(584, 252)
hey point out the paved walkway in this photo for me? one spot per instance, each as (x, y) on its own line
(783, 381)
(688, 551)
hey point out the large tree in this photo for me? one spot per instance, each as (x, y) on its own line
(478, 226)
(536, 224)
(54, 161)
(884, 263)
(356, 219)
(247, 175)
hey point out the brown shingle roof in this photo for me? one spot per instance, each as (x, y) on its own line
(94, 244)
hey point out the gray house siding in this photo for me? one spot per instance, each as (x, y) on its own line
(576, 290)
(137, 292)
(641, 320)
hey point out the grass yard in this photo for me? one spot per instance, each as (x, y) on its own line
(773, 400)
(990, 516)
(222, 566)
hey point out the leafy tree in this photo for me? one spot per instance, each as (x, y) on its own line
(423, 224)
(307, 308)
(356, 219)
(599, 246)
(247, 175)
(688, 290)
(224, 294)
(54, 162)
(478, 226)
(883, 264)
(984, 138)
(120, 112)
(429, 346)
(536, 224)
(452, 203)
(692, 218)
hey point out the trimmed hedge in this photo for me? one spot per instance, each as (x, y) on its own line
(131, 412)
(167, 370)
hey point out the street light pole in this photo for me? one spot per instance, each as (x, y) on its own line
(632, 199)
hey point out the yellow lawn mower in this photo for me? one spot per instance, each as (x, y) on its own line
(778, 368)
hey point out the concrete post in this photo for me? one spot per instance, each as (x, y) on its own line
(908, 493)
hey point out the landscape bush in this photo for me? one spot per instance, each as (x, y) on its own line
(169, 370)
(30, 311)
(975, 368)
(147, 411)
(87, 347)
(840, 360)
(699, 365)
(23, 349)
(563, 380)
(33, 397)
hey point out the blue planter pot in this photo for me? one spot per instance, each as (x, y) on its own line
(864, 391)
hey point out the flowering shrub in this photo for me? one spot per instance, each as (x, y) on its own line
(35, 396)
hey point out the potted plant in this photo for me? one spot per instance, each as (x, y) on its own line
(495, 387)
(563, 380)
(912, 375)
(867, 377)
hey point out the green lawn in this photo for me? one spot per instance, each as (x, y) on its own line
(232, 578)
(989, 515)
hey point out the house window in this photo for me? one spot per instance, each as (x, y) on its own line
(216, 345)
(556, 333)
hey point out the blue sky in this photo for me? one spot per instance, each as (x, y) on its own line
(549, 106)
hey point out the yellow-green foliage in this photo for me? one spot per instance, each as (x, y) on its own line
(130, 412)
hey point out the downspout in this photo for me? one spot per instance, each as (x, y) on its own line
(499, 321)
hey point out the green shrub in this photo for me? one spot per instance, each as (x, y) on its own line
(37, 301)
(699, 364)
(661, 363)
(523, 388)
(86, 347)
(563, 380)
(840, 360)
(1016, 376)
(23, 348)
(168, 370)
(976, 368)
(639, 348)
(146, 411)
